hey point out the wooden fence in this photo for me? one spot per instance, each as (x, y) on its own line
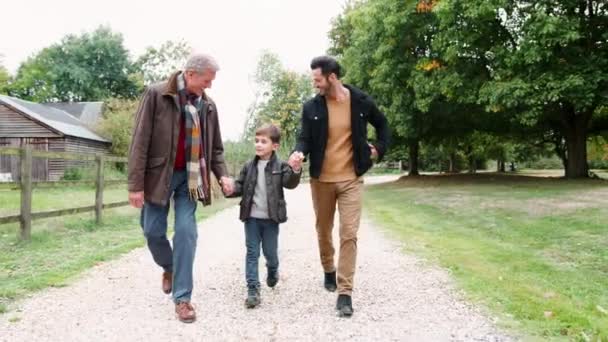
(26, 185)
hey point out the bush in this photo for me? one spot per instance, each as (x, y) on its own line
(73, 174)
(545, 163)
(598, 164)
(117, 124)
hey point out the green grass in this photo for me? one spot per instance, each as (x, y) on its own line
(533, 250)
(63, 247)
(58, 198)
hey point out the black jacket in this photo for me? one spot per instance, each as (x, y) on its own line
(312, 138)
(279, 175)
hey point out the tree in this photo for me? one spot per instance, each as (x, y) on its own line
(280, 94)
(156, 64)
(531, 72)
(90, 67)
(549, 62)
(5, 78)
(381, 44)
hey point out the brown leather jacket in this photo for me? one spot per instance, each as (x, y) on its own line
(154, 142)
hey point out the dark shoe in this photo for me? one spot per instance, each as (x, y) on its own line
(330, 281)
(253, 297)
(167, 282)
(272, 278)
(185, 312)
(344, 306)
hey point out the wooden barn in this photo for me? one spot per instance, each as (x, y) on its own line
(44, 128)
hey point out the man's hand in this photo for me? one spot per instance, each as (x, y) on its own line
(374, 151)
(295, 161)
(136, 199)
(227, 185)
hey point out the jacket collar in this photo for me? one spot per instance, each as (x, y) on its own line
(171, 87)
(170, 90)
(271, 161)
(355, 94)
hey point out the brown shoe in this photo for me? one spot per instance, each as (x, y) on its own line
(167, 282)
(185, 312)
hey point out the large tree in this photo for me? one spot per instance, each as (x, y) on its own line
(530, 72)
(549, 62)
(89, 67)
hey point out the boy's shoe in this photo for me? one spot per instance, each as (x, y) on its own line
(330, 281)
(272, 278)
(344, 306)
(253, 297)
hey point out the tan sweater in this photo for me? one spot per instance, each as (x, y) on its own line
(338, 163)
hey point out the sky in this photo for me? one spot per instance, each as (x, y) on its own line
(235, 32)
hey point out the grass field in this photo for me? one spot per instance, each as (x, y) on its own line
(534, 250)
(63, 247)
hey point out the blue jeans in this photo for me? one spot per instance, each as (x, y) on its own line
(266, 233)
(180, 259)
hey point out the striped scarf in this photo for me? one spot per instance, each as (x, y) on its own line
(198, 185)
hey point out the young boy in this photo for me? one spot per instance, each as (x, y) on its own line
(263, 208)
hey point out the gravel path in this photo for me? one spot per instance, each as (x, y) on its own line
(397, 296)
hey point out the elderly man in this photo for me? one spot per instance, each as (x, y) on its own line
(176, 144)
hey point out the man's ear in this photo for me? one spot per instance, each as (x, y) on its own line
(275, 146)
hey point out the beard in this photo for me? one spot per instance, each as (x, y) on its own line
(324, 90)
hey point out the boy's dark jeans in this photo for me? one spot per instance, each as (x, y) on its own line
(266, 233)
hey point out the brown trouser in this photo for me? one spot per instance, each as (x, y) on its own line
(348, 197)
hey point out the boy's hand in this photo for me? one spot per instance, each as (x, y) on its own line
(227, 185)
(295, 160)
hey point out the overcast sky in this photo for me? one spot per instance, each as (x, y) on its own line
(234, 31)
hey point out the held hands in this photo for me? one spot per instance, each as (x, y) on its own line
(227, 185)
(295, 161)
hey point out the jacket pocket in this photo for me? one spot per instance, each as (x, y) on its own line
(282, 212)
(155, 162)
(366, 156)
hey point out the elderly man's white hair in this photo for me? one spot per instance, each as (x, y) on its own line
(200, 62)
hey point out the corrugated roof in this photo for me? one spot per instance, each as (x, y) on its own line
(86, 112)
(54, 118)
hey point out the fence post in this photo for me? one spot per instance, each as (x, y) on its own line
(26, 193)
(99, 160)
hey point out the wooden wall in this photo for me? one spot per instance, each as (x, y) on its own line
(14, 125)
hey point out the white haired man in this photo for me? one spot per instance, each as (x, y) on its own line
(176, 144)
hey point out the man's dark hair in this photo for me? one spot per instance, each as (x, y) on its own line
(328, 66)
(271, 131)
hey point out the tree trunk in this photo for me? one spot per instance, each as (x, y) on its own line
(575, 131)
(472, 165)
(452, 168)
(414, 152)
(500, 166)
(472, 161)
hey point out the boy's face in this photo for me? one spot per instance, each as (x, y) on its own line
(264, 146)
